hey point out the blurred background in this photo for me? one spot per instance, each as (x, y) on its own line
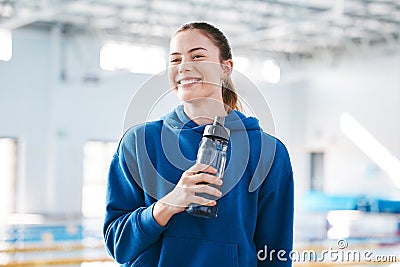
(329, 70)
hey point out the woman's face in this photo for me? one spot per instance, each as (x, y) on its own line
(195, 70)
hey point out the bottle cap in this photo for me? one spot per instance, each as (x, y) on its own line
(217, 129)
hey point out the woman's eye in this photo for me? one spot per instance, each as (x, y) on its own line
(197, 56)
(174, 60)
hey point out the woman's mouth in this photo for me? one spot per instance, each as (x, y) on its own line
(185, 82)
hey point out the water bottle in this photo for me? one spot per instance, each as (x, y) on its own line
(212, 151)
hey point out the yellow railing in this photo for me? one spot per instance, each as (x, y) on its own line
(12, 251)
(54, 262)
(61, 247)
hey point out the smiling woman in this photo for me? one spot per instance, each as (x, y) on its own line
(154, 177)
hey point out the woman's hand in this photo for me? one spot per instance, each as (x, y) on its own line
(193, 181)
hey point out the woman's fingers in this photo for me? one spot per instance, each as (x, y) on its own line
(205, 178)
(199, 174)
(197, 181)
(198, 167)
(203, 201)
(206, 189)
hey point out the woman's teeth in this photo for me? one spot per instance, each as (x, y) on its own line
(183, 82)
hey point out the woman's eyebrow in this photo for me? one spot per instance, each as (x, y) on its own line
(190, 51)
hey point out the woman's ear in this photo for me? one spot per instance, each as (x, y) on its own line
(227, 66)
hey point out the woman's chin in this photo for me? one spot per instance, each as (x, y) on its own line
(187, 99)
(186, 95)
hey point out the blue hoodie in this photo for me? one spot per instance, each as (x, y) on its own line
(254, 226)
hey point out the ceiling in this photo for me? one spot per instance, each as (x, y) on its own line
(294, 30)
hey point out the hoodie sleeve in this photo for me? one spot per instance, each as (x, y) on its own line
(129, 226)
(274, 232)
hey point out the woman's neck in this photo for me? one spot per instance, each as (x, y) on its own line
(204, 111)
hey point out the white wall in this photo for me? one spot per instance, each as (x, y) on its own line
(369, 90)
(52, 117)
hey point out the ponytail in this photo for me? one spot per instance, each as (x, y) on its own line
(230, 96)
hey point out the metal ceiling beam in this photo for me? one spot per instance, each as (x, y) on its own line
(46, 13)
(256, 23)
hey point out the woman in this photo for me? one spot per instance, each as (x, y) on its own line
(153, 178)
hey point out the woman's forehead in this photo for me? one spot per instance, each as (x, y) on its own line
(185, 41)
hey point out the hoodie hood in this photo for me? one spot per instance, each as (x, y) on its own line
(234, 121)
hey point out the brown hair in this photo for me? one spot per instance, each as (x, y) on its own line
(229, 93)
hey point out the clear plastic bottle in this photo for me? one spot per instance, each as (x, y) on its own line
(212, 151)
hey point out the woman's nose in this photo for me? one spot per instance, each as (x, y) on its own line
(185, 66)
